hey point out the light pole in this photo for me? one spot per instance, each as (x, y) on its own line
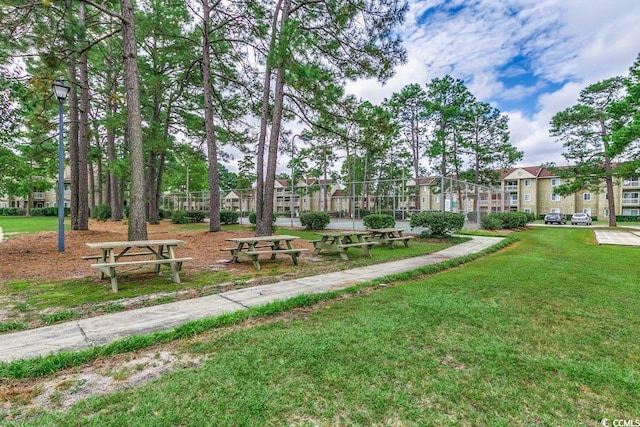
(60, 90)
(304, 137)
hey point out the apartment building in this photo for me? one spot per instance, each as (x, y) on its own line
(525, 189)
(40, 199)
(530, 189)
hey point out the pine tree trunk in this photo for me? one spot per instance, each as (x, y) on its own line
(209, 125)
(137, 221)
(73, 142)
(82, 222)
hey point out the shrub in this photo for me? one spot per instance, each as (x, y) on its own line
(180, 217)
(378, 221)
(438, 223)
(627, 218)
(102, 212)
(491, 222)
(315, 220)
(229, 217)
(164, 214)
(197, 216)
(511, 219)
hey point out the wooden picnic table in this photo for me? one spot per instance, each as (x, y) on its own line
(387, 236)
(114, 255)
(249, 248)
(340, 241)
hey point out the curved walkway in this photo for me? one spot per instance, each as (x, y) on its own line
(108, 328)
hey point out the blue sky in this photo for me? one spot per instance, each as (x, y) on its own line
(528, 58)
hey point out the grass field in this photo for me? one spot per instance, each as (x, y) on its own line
(543, 333)
(12, 225)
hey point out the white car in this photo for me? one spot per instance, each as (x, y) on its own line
(580, 218)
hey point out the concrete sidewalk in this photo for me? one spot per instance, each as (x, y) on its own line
(108, 328)
(618, 237)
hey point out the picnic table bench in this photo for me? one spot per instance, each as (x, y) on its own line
(247, 248)
(387, 236)
(340, 241)
(114, 256)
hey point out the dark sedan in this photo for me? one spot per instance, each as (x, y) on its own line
(554, 218)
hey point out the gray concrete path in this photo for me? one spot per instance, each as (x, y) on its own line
(624, 238)
(108, 328)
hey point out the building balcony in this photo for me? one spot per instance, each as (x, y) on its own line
(628, 183)
(511, 188)
(38, 195)
(626, 201)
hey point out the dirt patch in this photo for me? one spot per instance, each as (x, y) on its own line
(36, 256)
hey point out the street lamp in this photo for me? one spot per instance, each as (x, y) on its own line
(60, 90)
(304, 137)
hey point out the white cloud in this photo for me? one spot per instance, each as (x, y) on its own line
(568, 42)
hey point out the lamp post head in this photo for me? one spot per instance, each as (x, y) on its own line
(60, 90)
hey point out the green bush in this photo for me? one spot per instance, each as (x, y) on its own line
(197, 216)
(315, 220)
(229, 217)
(438, 223)
(378, 221)
(491, 222)
(164, 214)
(9, 211)
(627, 218)
(511, 220)
(102, 212)
(180, 217)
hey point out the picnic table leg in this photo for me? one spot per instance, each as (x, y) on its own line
(343, 254)
(114, 279)
(157, 266)
(174, 272)
(276, 246)
(365, 248)
(318, 245)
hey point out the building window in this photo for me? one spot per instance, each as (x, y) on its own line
(555, 210)
(527, 197)
(436, 199)
(527, 210)
(527, 183)
(586, 197)
(555, 182)
(423, 200)
(555, 197)
(587, 211)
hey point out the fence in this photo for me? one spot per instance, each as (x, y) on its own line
(398, 198)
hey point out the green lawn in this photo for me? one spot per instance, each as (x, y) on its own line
(19, 224)
(544, 332)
